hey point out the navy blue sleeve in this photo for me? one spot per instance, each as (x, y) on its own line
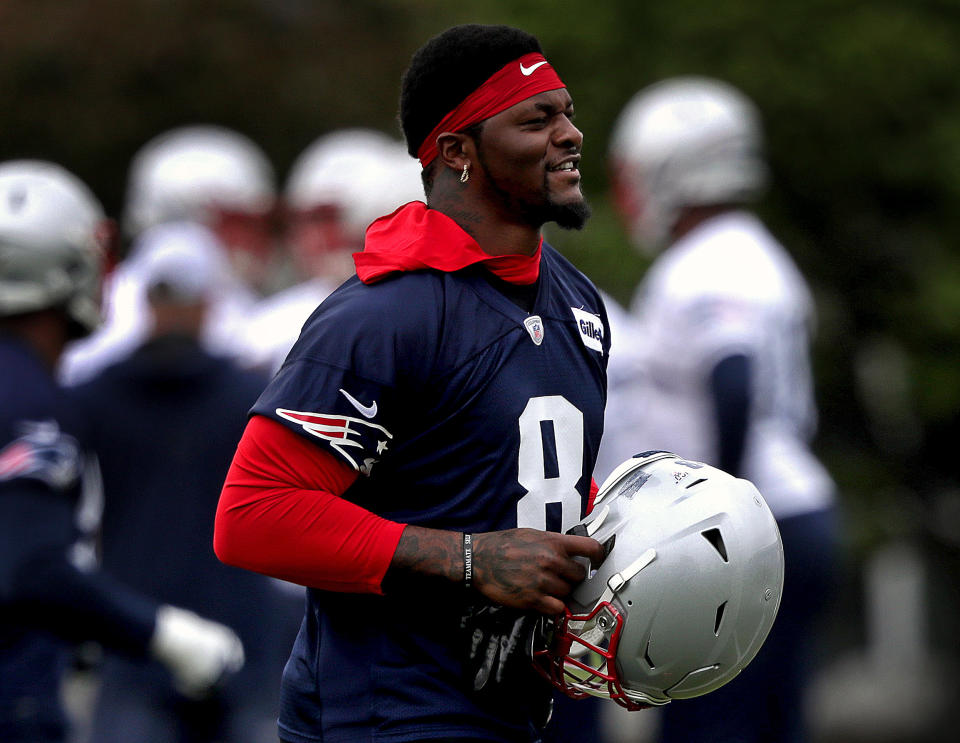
(41, 588)
(730, 386)
(357, 358)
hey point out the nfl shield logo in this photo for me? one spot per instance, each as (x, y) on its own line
(534, 326)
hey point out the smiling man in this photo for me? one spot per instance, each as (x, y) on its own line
(432, 435)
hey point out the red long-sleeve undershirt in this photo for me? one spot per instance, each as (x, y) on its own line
(281, 514)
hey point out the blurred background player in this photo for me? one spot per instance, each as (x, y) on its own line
(215, 177)
(50, 265)
(336, 188)
(164, 423)
(722, 369)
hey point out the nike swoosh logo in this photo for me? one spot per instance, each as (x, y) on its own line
(528, 71)
(367, 411)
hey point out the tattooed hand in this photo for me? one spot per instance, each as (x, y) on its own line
(531, 569)
(524, 569)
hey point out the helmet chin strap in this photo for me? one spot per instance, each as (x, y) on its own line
(618, 580)
(597, 632)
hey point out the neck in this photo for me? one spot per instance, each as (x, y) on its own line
(46, 332)
(693, 216)
(493, 231)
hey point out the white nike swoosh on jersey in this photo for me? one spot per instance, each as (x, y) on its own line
(367, 411)
(527, 71)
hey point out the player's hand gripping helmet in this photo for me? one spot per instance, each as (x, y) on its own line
(52, 243)
(687, 141)
(686, 595)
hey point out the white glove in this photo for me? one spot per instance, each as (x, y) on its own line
(197, 651)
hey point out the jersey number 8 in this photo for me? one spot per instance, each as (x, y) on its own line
(550, 461)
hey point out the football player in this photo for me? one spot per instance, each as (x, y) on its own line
(205, 174)
(336, 188)
(180, 410)
(722, 368)
(432, 434)
(50, 265)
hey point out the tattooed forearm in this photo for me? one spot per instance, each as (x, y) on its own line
(428, 552)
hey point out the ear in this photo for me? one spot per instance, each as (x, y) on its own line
(456, 149)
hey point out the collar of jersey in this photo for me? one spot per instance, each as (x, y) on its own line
(416, 237)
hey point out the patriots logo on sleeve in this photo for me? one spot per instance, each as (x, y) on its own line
(345, 434)
(43, 452)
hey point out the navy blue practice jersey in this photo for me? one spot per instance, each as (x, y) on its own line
(39, 475)
(462, 412)
(43, 595)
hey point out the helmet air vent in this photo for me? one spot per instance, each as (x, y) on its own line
(716, 539)
(720, 611)
(695, 483)
(646, 656)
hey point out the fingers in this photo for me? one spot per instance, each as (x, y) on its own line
(549, 606)
(531, 569)
(584, 547)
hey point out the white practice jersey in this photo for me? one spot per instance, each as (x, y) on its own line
(727, 287)
(624, 380)
(274, 325)
(127, 322)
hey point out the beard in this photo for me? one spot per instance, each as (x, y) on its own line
(569, 216)
(572, 216)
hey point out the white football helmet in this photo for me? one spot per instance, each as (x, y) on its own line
(52, 233)
(183, 173)
(362, 173)
(340, 184)
(686, 141)
(686, 595)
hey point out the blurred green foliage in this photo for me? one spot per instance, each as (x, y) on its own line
(861, 103)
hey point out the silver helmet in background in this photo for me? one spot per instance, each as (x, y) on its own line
(52, 242)
(685, 141)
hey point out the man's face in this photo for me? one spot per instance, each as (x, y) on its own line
(250, 240)
(319, 242)
(530, 156)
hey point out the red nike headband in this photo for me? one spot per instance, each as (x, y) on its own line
(514, 82)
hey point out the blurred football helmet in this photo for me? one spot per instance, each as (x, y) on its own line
(358, 171)
(183, 173)
(218, 178)
(52, 251)
(687, 593)
(685, 141)
(340, 184)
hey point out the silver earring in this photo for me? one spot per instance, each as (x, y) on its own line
(465, 175)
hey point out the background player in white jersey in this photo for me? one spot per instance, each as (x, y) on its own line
(336, 188)
(213, 177)
(722, 370)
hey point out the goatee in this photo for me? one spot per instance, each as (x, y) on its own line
(570, 216)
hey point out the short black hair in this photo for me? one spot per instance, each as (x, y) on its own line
(449, 67)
